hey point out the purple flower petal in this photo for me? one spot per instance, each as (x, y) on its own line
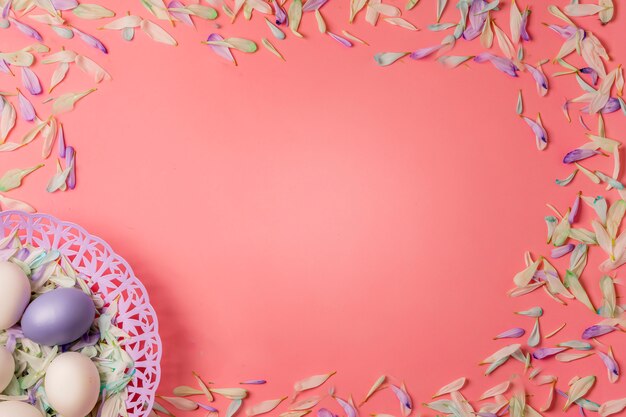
(540, 78)
(22, 254)
(546, 352)
(524, 25)
(88, 339)
(64, 4)
(27, 111)
(254, 382)
(592, 73)
(70, 159)
(573, 214)
(312, 5)
(565, 109)
(347, 407)
(340, 39)
(503, 64)
(220, 50)
(6, 9)
(90, 40)
(610, 363)
(279, 13)
(325, 412)
(597, 330)
(207, 407)
(513, 333)
(402, 396)
(32, 392)
(30, 81)
(183, 17)
(476, 20)
(578, 155)
(26, 30)
(565, 32)
(562, 250)
(424, 52)
(611, 106)
(61, 141)
(537, 129)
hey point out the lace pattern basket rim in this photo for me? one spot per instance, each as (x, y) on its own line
(28, 218)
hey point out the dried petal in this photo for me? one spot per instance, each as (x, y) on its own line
(513, 333)
(30, 81)
(264, 407)
(455, 385)
(157, 33)
(13, 178)
(597, 331)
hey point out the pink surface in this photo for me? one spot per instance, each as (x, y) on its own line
(324, 213)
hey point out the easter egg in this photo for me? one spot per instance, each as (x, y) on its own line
(58, 317)
(18, 409)
(7, 368)
(72, 384)
(15, 294)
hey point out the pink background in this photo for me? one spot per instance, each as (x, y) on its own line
(325, 213)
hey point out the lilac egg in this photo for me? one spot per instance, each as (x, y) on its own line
(58, 317)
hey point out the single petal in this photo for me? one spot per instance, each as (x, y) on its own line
(511, 333)
(222, 51)
(181, 403)
(347, 406)
(7, 204)
(70, 161)
(92, 11)
(597, 330)
(387, 58)
(405, 400)
(610, 363)
(340, 39)
(66, 102)
(264, 407)
(27, 111)
(540, 79)
(30, 81)
(424, 52)
(13, 177)
(90, 40)
(455, 385)
(64, 4)
(375, 387)
(537, 129)
(546, 352)
(575, 209)
(562, 250)
(26, 29)
(311, 382)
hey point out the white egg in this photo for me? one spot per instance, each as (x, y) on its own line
(7, 368)
(18, 409)
(15, 294)
(72, 384)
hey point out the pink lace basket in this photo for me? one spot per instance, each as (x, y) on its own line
(110, 277)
